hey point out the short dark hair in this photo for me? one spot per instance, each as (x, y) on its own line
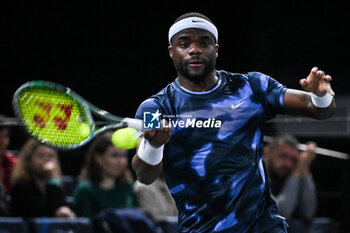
(283, 138)
(192, 14)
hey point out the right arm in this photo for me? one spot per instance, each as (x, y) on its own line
(145, 172)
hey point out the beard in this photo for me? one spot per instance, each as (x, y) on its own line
(281, 173)
(195, 74)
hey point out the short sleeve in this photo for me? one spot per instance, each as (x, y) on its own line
(268, 91)
(149, 105)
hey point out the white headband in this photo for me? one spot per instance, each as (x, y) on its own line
(193, 22)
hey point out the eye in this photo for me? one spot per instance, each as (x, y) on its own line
(183, 44)
(206, 43)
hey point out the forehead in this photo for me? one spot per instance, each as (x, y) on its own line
(114, 150)
(287, 149)
(193, 34)
(44, 149)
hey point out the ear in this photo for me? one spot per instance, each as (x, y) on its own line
(266, 153)
(171, 51)
(217, 50)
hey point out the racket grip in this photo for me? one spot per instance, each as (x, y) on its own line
(134, 123)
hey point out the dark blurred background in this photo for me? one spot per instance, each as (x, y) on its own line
(115, 55)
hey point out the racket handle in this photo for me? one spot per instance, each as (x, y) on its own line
(134, 123)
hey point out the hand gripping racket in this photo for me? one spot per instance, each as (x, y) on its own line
(59, 117)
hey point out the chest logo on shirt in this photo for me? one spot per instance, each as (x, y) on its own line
(233, 107)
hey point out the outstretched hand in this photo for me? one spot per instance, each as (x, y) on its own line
(317, 82)
(158, 137)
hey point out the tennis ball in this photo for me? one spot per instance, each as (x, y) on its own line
(125, 138)
(84, 130)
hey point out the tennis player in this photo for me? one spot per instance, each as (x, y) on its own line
(212, 153)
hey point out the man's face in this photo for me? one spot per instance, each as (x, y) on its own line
(283, 160)
(194, 53)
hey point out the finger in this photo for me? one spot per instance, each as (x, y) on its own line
(311, 146)
(329, 90)
(328, 78)
(314, 70)
(320, 73)
(303, 83)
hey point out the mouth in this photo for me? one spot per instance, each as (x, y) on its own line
(195, 63)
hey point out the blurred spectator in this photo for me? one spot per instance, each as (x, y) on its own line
(36, 191)
(7, 160)
(107, 180)
(292, 184)
(156, 200)
(3, 204)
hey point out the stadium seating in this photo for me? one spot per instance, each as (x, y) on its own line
(62, 225)
(13, 225)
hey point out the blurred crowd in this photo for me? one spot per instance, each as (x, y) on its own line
(31, 183)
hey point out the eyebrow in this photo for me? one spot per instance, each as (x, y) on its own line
(184, 37)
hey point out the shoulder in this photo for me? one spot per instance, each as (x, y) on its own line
(159, 97)
(156, 101)
(130, 183)
(230, 77)
(54, 186)
(11, 158)
(262, 81)
(22, 185)
(84, 187)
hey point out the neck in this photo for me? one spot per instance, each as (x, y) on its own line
(200, 85)
(107, 183)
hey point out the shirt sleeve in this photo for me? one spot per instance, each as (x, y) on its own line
(268, 92)
(149, 105)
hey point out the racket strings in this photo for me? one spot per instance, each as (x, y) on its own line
(54, 117)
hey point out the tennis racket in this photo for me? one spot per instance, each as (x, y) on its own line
(59, 117)
(319, 150)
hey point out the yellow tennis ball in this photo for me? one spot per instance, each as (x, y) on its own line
(84, 130)
(125, 138)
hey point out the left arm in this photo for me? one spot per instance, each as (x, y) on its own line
(300, 103)
(308, 198)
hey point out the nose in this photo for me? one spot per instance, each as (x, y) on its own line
(288, 163)
(194, 49)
